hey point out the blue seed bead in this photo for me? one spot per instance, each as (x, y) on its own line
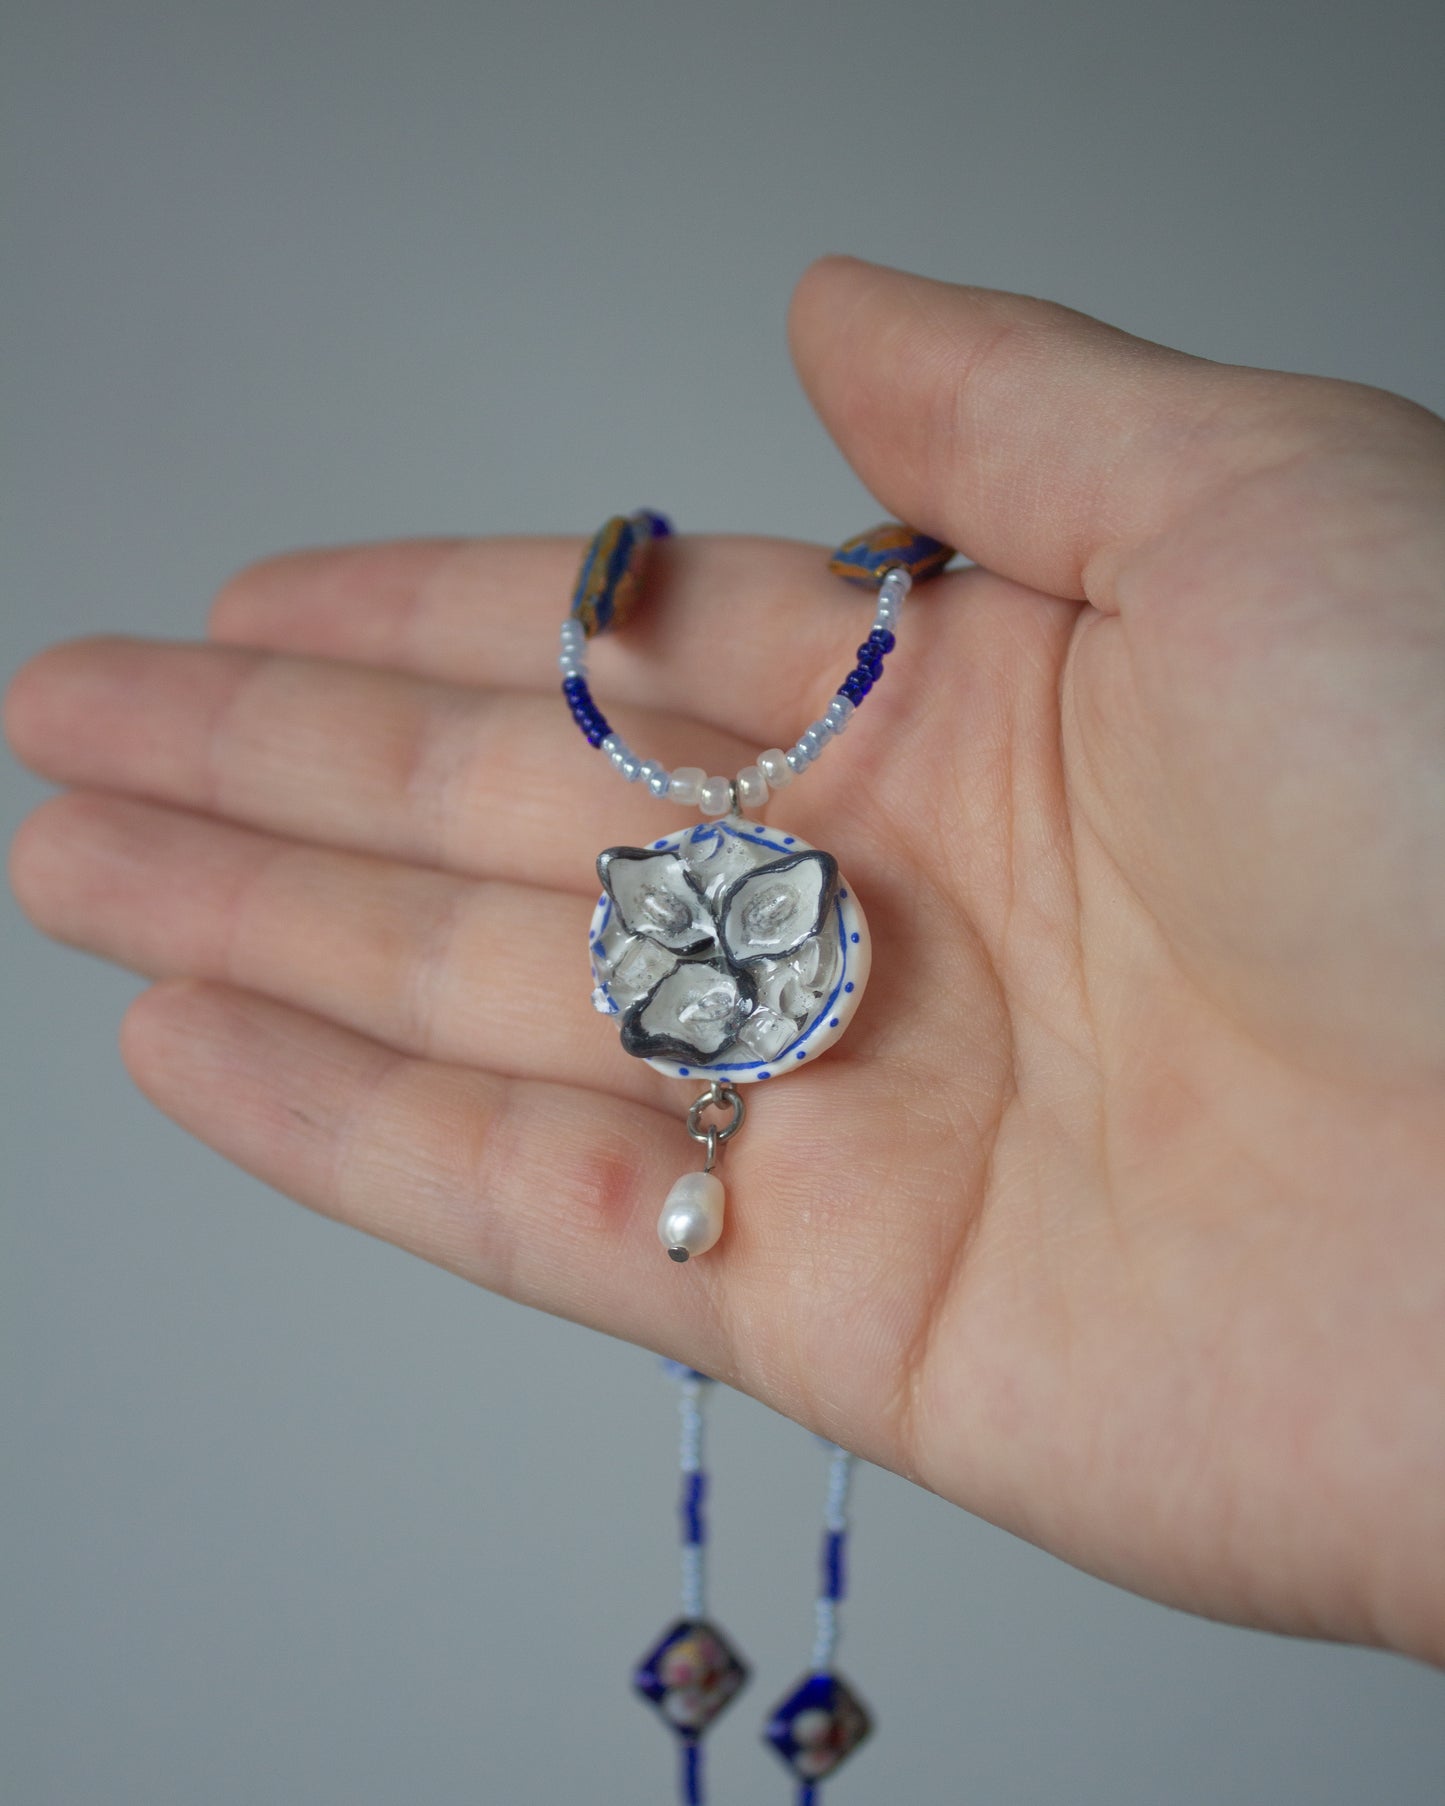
(883, 639)
(571, 685)
(597, 732)
(851, 689)
(863, 679)
(870, 657)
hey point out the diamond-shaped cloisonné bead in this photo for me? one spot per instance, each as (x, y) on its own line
(690, 1675)
(818, 1726)
(866, 556)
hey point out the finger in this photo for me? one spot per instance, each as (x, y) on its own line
(714, 613)
(498, 786)
(1041, 442)
(545, 1193)
(487, 974)
(550, 1195)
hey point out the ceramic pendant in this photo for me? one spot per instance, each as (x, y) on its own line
(727, 951)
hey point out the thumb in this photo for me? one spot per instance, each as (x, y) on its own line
(1040, 442)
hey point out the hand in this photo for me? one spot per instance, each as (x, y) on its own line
(1119, 1215)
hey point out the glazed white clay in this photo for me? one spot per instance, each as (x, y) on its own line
(727, 951)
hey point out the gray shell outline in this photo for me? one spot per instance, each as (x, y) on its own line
(636, 1040)
(827, 894)
(610, 855)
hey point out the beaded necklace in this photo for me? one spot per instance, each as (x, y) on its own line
(732, 953)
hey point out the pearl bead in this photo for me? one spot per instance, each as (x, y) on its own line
(752, 787)
(692, 1216)
(774, 766)
(715, 797)
(687, 783)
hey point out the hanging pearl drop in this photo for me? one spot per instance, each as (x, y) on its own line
(692, 1217)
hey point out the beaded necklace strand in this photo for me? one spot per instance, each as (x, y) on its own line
(732, 953)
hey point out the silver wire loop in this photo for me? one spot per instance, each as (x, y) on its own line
(716, 1097)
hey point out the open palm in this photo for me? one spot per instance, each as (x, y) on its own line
(1119, 1214)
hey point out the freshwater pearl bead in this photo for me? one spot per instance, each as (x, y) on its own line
(687, 783)
(715, 797)
(692, 1216)
(752, 787)
(775, 767)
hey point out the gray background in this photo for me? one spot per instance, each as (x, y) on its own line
(288, 1516)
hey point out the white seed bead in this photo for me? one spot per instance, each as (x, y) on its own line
(838, 712)
(715, 797)
(692, 1216)
(775, 768)
(752, 787)
(687, 783)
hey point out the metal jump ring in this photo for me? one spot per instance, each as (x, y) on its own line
(716, 1097)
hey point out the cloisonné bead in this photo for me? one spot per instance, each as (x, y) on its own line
(610, 581)
(817, 1726)
(864, 558)
(690, 1675)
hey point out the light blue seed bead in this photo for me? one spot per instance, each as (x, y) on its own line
(570, 665)
(895, 586)
(815, 738)
(799, 757)
(659, 781)
(611, 744)
(839, 709)
(631, 768)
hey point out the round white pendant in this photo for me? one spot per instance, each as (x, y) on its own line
(727, 951)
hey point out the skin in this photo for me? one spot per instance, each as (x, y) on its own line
(1118, 1217)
